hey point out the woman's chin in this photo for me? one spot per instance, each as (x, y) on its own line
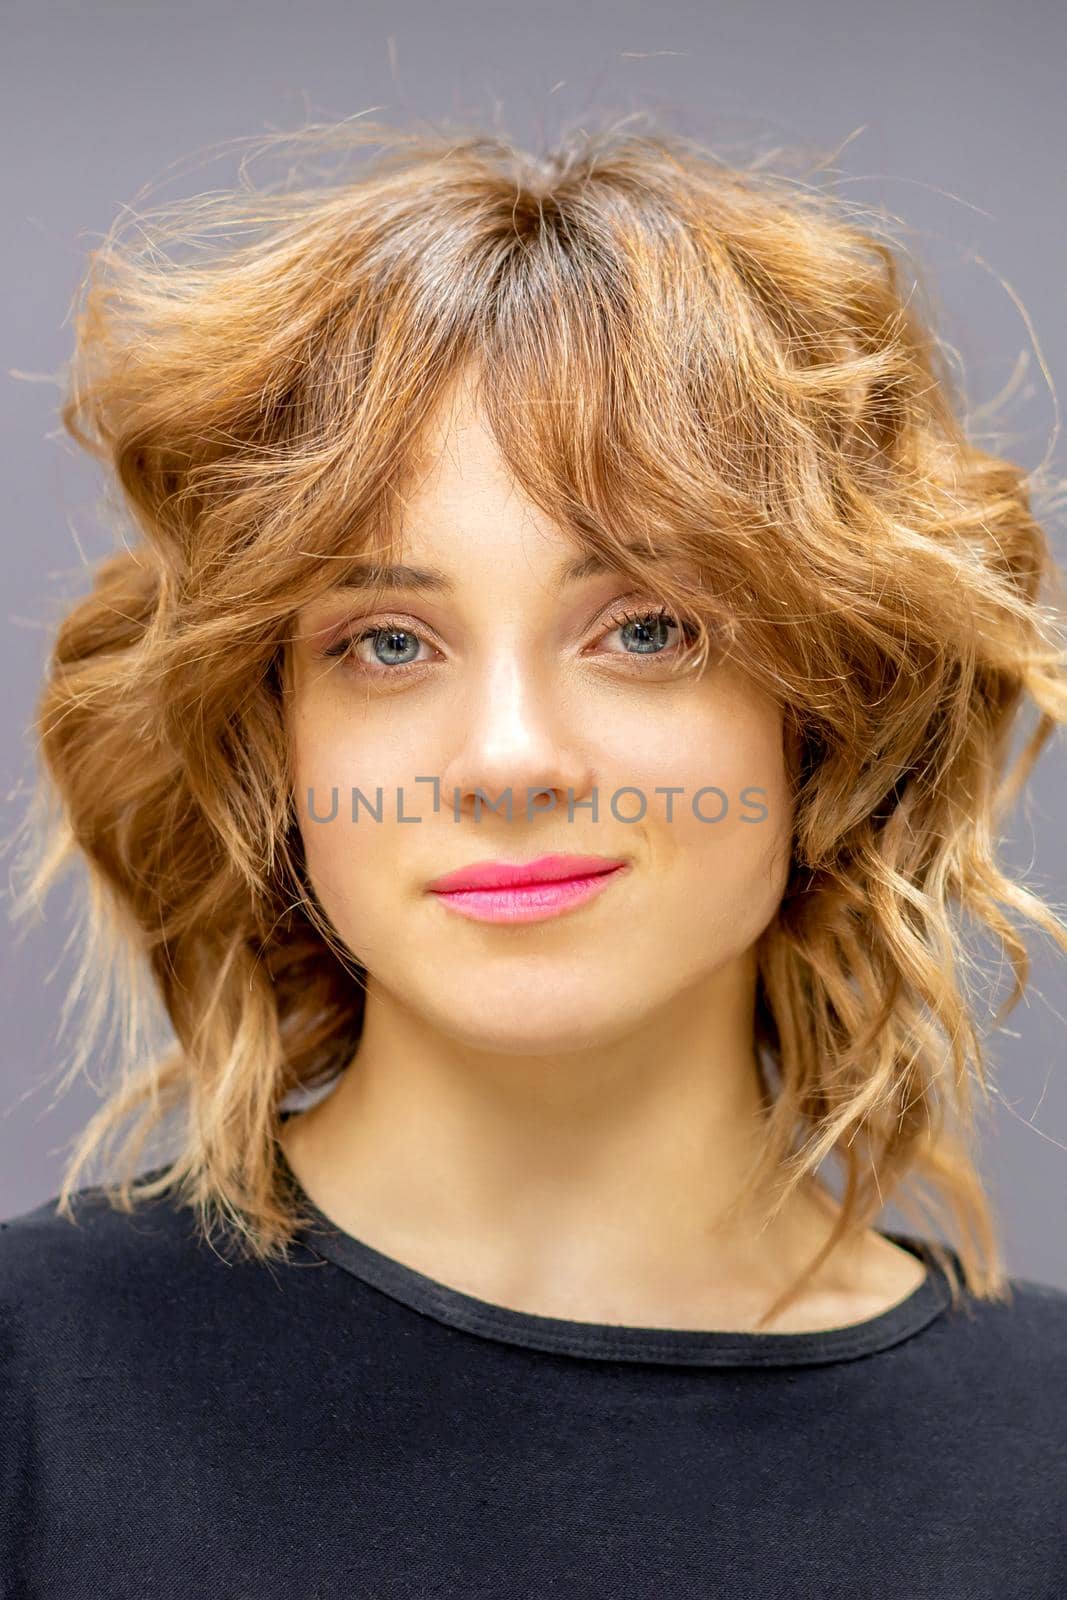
(532, 1024)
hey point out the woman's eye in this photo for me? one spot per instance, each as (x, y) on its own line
(647, 632)
(388, 648)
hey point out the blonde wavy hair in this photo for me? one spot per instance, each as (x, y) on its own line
(727, 365)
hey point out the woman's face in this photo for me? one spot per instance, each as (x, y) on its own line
(502, 675)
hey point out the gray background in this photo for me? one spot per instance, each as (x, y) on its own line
(950, 115)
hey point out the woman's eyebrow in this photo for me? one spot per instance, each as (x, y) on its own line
(396, 576)
(431, 580)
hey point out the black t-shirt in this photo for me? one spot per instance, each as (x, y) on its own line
(179, 1422)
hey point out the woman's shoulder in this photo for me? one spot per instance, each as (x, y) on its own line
(1032, 1318)
(1013, 1350)
(95, 1220)
(1030, 1305)
(103, 1263)
(49, 1258)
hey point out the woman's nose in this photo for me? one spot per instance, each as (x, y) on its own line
(515, 735)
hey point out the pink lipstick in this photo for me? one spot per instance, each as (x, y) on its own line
(528, 891)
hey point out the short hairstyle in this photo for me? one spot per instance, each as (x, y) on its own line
(677, 355)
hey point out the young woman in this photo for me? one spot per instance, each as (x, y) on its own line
(536, 747)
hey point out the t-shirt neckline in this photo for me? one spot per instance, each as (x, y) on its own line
(623, 1342)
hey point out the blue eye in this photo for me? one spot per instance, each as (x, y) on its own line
(648, 631)
(391, 645)
(394, 647)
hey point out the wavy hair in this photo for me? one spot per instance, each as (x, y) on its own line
(729, 365)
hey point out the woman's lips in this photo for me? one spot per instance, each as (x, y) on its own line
(529, 901)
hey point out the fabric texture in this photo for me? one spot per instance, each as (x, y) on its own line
(178, 1422)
